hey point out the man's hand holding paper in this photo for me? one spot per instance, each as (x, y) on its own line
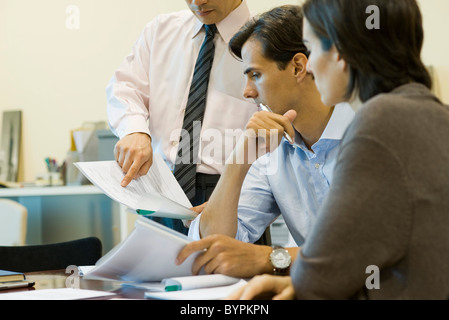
(134, 155)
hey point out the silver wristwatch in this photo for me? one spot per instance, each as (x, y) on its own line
(281, 260)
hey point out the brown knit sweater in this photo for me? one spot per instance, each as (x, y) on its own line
(388, 206)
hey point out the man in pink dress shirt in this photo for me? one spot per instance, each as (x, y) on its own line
(148, 93)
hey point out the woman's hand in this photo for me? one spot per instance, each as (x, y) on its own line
(275, 287)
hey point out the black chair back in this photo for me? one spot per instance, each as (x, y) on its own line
(55, 256)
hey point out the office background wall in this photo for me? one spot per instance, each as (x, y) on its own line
(56, 73)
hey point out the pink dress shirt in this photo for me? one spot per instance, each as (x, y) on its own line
(148, 92)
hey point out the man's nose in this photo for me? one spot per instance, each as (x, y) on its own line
(250, 92)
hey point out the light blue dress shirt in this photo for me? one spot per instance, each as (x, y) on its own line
(292, 181)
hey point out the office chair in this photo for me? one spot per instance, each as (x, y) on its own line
(13, 223)
(54, 256)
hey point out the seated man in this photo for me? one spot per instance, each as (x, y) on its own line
(292, 180)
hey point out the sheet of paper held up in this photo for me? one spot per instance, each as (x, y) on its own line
(158, 191)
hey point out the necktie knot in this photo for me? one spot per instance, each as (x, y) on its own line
(211, 29)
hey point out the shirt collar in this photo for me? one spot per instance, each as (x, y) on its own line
(341, 118)
(229, 25)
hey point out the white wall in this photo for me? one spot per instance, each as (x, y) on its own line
(436, 45)
(58, 76)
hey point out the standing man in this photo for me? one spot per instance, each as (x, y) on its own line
(178, 94)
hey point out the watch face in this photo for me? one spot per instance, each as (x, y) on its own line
(280, 258)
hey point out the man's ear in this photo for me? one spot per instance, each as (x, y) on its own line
(299, 62)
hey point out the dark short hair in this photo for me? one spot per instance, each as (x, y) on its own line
(379, 59)
(279, 32)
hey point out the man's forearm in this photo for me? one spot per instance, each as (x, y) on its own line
(220, 214)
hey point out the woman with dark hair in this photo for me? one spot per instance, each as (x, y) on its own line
(383, 230)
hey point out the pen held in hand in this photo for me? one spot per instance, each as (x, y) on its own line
(286, 135)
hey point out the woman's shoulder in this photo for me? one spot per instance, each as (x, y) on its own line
(408, 95)
(407, 109)
(409, 99)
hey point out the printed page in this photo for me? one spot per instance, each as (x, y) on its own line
(107, 175)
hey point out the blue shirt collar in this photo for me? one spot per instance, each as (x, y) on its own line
(338, 123)
(333, 133)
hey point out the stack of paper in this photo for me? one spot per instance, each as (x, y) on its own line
(147, 254)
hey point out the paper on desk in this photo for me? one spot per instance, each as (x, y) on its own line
(55, 294)
(215, 293)
(185, 283)
(156, 191)
(147, 254)
(198, 282)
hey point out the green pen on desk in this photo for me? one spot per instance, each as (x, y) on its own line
(173, 288)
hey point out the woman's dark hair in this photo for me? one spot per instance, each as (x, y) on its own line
(279, 32)
(379, 59)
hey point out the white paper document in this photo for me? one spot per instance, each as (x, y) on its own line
(158, 192)
(198, 282)
(215, 293)
(147, 254)
(56, 294)
(185, 283)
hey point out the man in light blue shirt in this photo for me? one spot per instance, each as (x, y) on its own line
(297, 188)
(291, 180)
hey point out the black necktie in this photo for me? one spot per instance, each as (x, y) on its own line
(185, 168)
